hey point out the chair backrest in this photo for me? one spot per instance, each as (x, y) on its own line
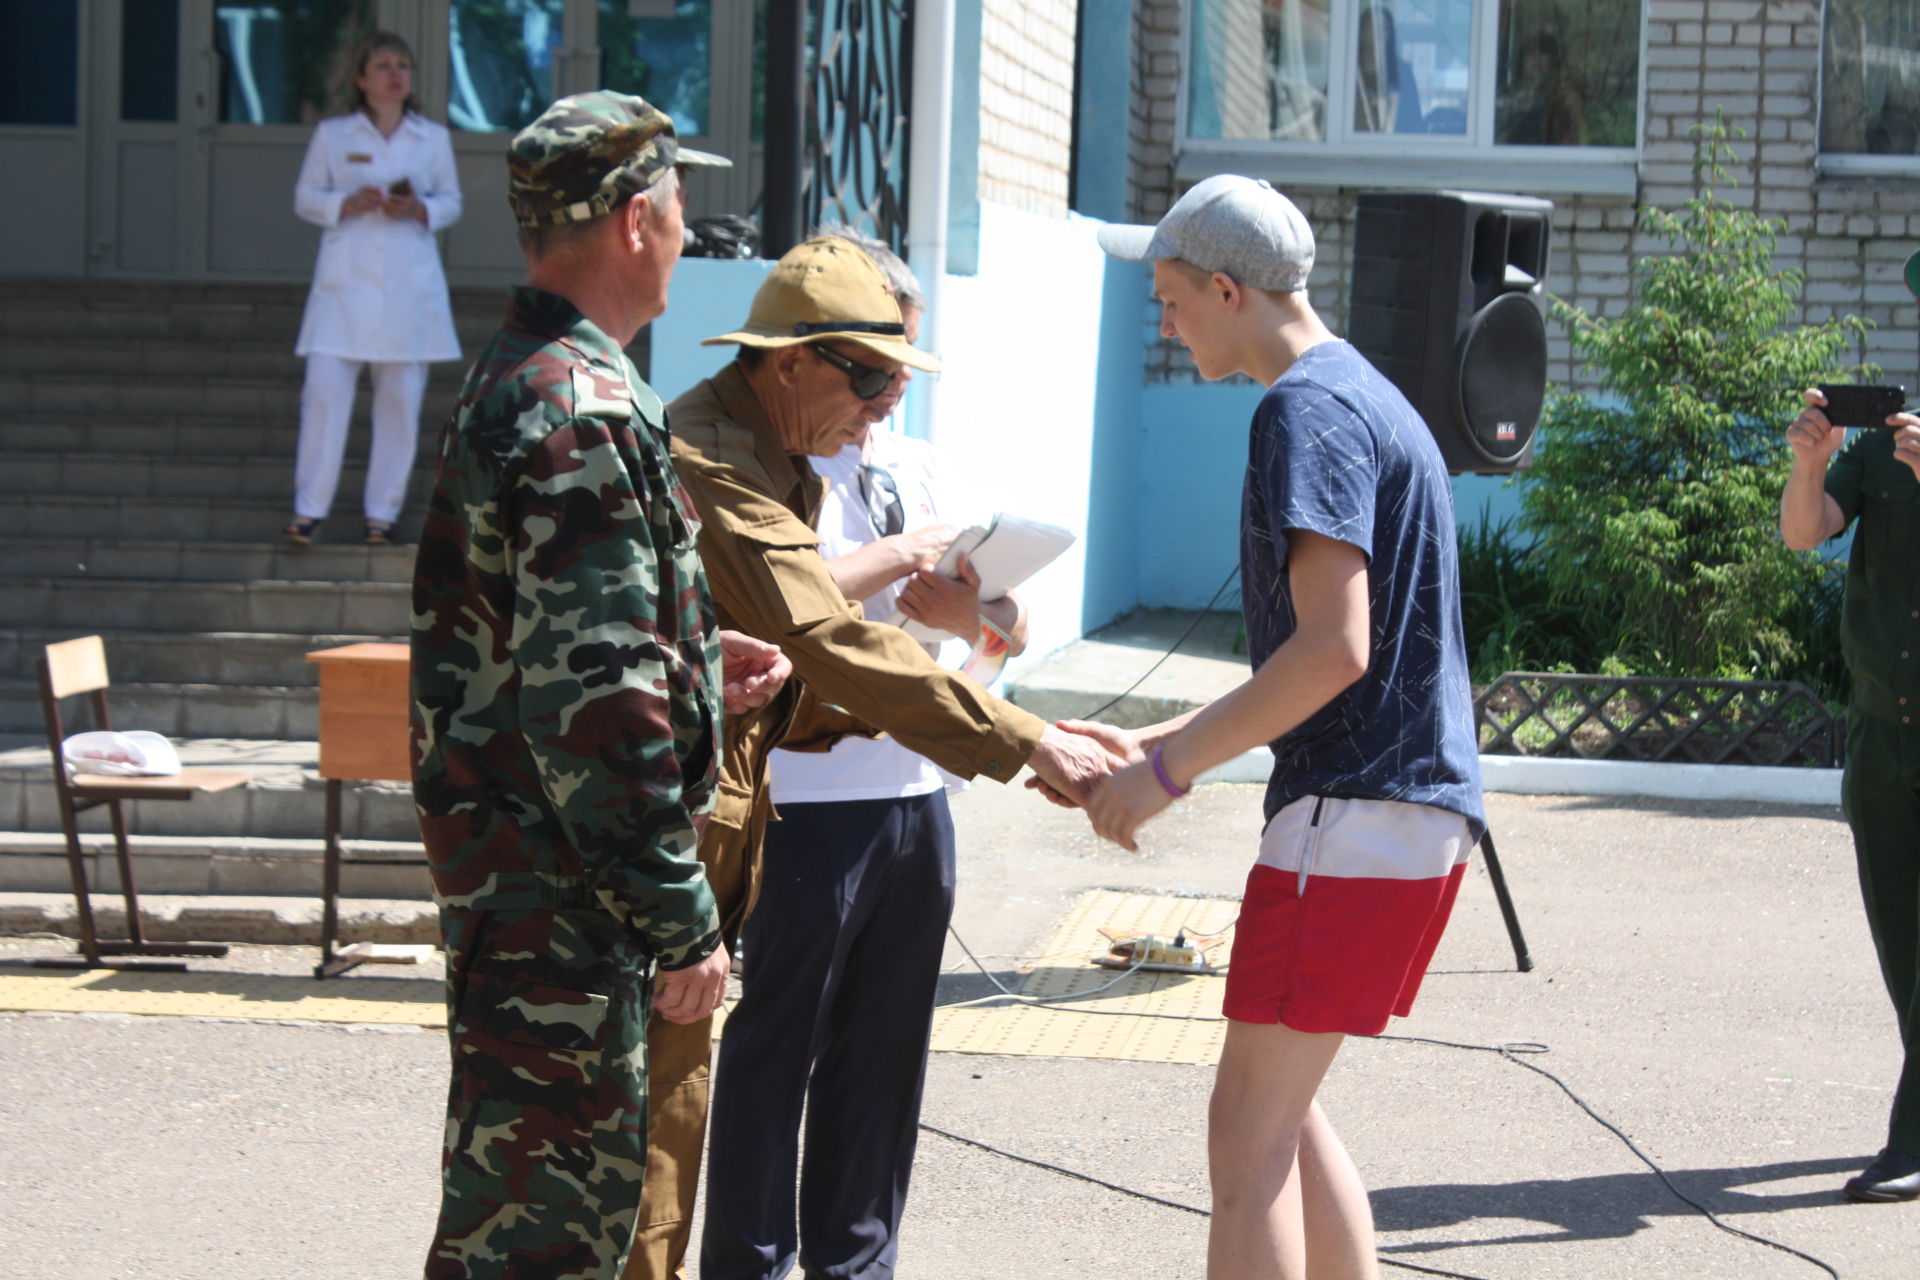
(74, 666)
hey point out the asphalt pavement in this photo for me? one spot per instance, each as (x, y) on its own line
(1704, 983)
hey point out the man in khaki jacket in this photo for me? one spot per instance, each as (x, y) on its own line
(824, 336)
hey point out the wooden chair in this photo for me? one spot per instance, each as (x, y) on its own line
(76, 667)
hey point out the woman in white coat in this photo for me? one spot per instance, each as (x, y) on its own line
(380, 180)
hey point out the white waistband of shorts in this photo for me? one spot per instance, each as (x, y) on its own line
(1365, 839)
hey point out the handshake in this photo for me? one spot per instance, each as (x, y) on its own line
(1106, 770)
(1078, 764)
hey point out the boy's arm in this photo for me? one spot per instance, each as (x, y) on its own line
(1327, 652)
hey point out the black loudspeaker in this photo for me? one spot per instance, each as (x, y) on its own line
(1447, 303)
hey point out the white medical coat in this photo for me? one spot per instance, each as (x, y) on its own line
(378, 290)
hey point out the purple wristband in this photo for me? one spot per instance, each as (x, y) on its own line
(1160, 772)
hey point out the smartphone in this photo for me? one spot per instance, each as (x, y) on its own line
(1857, 405)
(400, 187)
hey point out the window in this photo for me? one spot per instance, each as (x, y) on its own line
(1870, 85)
(39, 61)
(150, 60)
(660, 50)
(501, 62)
(1336, 87)
(285, 63)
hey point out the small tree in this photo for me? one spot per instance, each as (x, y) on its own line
(1655, 506)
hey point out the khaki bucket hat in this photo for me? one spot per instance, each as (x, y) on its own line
(827, 288)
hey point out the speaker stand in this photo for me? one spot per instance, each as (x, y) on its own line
(1522, 958)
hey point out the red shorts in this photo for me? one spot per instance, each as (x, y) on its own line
(1342, 913)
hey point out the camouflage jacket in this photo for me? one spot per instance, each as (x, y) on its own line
(565, 656)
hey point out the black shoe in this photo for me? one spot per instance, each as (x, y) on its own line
(1893, 1175)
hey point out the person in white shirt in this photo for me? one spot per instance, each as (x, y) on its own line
(380, 179)
(841, 955)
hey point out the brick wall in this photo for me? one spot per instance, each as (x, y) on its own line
(1759, 61)
(1026, 103)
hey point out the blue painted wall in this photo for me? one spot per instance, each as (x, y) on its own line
(1193, 453)
(1117, 481)
(709, 296)
(1105, 100)
(963, 167)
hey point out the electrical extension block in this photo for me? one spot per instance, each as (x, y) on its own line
(1150, 951)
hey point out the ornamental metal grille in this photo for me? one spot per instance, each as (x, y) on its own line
(862, 61)
(1756, 722)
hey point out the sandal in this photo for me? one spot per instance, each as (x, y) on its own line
(300, 531)
(379, 535)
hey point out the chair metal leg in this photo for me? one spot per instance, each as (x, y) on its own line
(129, 890)
(77, 873)
(331, 964)
(93, 951)
(1522, 958)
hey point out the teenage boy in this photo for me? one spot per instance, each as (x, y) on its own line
(1352, 604)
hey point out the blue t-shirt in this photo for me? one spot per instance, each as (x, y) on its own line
(1337, 450)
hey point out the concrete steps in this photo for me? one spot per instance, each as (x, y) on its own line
(283, 801)
(78, 391)
(85, 605)
(184, 657)
(267, 477)
(98, 310)
(142, 519)
(187, 436)
(176, 559)
(148, 433)
(183, 709)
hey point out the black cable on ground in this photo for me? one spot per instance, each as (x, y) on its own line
(1197, 620)
(1513, 1051)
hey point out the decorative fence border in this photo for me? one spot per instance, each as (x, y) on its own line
(1593, 717)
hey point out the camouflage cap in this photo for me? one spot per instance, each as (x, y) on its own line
(587, 153)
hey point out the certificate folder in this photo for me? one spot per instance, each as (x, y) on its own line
(1005, 553)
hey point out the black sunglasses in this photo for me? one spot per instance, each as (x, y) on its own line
(882, 496)
(866, 382)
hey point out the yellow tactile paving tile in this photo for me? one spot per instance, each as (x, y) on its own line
(224, 995)
(1146, 1017)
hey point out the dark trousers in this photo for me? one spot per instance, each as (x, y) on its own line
(842, 957)
(1881, 793)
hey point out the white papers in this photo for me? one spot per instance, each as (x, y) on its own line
(1005, 554)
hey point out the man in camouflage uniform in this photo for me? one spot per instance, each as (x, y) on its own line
(567, 701)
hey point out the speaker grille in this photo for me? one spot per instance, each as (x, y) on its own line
(1502, 376)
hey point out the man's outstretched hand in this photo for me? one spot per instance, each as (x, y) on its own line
(1068, 765)
(690, 994)
(1121, 745)
(752, 671)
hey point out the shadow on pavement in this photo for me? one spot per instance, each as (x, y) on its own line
(1609, 1207)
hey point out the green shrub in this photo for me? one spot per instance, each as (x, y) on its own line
(1654, 508)
(1511, 619)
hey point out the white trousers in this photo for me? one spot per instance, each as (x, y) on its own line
(326, 409)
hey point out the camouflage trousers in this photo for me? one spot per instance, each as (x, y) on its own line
(546, 1139)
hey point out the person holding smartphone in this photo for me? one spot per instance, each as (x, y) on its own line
(1875, 480)
(380, 179)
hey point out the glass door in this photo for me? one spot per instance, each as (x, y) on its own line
(43, 116)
